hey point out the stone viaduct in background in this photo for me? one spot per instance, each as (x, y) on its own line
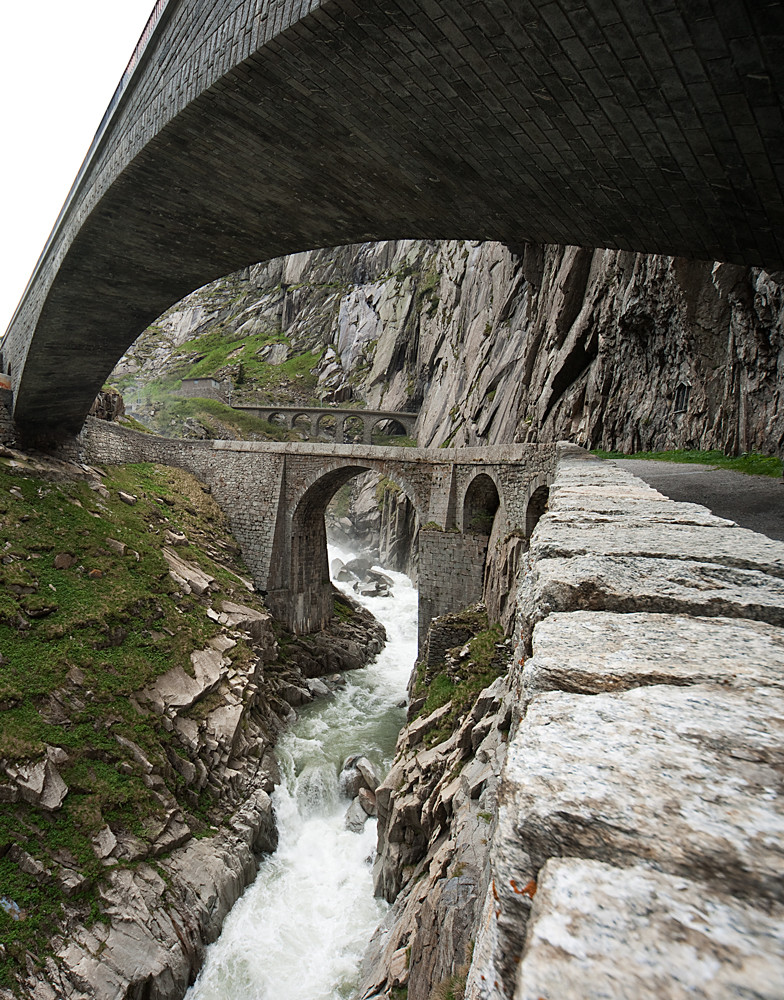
(247, 129)
(275, 496)
(314, 420)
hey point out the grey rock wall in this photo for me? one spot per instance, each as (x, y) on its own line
(548, 343)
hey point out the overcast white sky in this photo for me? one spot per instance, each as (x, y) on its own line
(60, 61)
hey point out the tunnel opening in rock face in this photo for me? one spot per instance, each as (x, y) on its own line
(480, 506)
(312, 593)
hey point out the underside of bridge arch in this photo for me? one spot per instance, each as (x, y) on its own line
(354, 429)
(251, 134)
(326, 427)
(385, 428)
(303, 423)
(301, 593)
(480, 505)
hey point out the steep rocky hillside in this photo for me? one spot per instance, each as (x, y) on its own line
(610, 349)
(142, 687)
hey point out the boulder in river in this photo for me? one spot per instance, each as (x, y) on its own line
(356, 817)
(357, 772)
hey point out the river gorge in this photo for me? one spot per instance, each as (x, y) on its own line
(300, 930)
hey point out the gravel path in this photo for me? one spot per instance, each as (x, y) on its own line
(755, 502)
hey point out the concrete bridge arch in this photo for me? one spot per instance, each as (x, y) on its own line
(246, 131)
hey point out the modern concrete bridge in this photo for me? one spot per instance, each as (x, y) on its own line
(347, 421)
(275, 496)
(245, 129)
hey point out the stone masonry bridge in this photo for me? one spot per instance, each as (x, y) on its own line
(247, 129)
(347, 421)
(275, 496)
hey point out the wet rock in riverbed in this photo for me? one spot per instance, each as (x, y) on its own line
(358, 780)
(365, 580)
(357, 772)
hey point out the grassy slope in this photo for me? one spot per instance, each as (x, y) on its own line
(116, 620)
(463, 679)
(751, 464)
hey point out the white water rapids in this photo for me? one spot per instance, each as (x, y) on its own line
(299, 931)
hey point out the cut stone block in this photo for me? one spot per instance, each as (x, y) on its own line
(590, 652)
(598, 932)
(687, 778)
(635, 583)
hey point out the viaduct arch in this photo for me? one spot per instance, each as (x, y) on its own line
(247, 129)
(275, 496)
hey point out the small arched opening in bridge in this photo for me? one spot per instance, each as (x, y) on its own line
(301, 422)
(389, 432)
(480, 505)
(277, 420)
(537, 505)
(353, 430)
(311, 596)
(326, 427)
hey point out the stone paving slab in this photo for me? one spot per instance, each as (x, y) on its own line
(630, 533)
(687, 778)
(607, 506)
(603, 933)
(637, 583)
(587, 652)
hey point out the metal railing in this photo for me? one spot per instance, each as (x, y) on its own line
(149, 29)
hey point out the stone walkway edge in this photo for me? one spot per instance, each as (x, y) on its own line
(640, 837)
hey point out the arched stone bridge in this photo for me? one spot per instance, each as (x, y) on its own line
(275, 496)
(316, 416)
(247, 129)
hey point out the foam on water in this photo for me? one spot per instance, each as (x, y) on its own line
(299, 931)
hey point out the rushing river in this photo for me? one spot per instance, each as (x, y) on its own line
(299, 931)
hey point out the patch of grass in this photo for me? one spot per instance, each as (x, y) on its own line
(394, 441)
(343, 610)
(76, 644)
(461, 679)
(752, 464)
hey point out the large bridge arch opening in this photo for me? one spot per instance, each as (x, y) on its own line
(537, 505)
(302, 423)
(326, 428)
(353, 429)
(480, 505)
(385, 431)
(310, 600)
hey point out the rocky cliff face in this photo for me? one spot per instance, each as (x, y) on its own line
(607, 348)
